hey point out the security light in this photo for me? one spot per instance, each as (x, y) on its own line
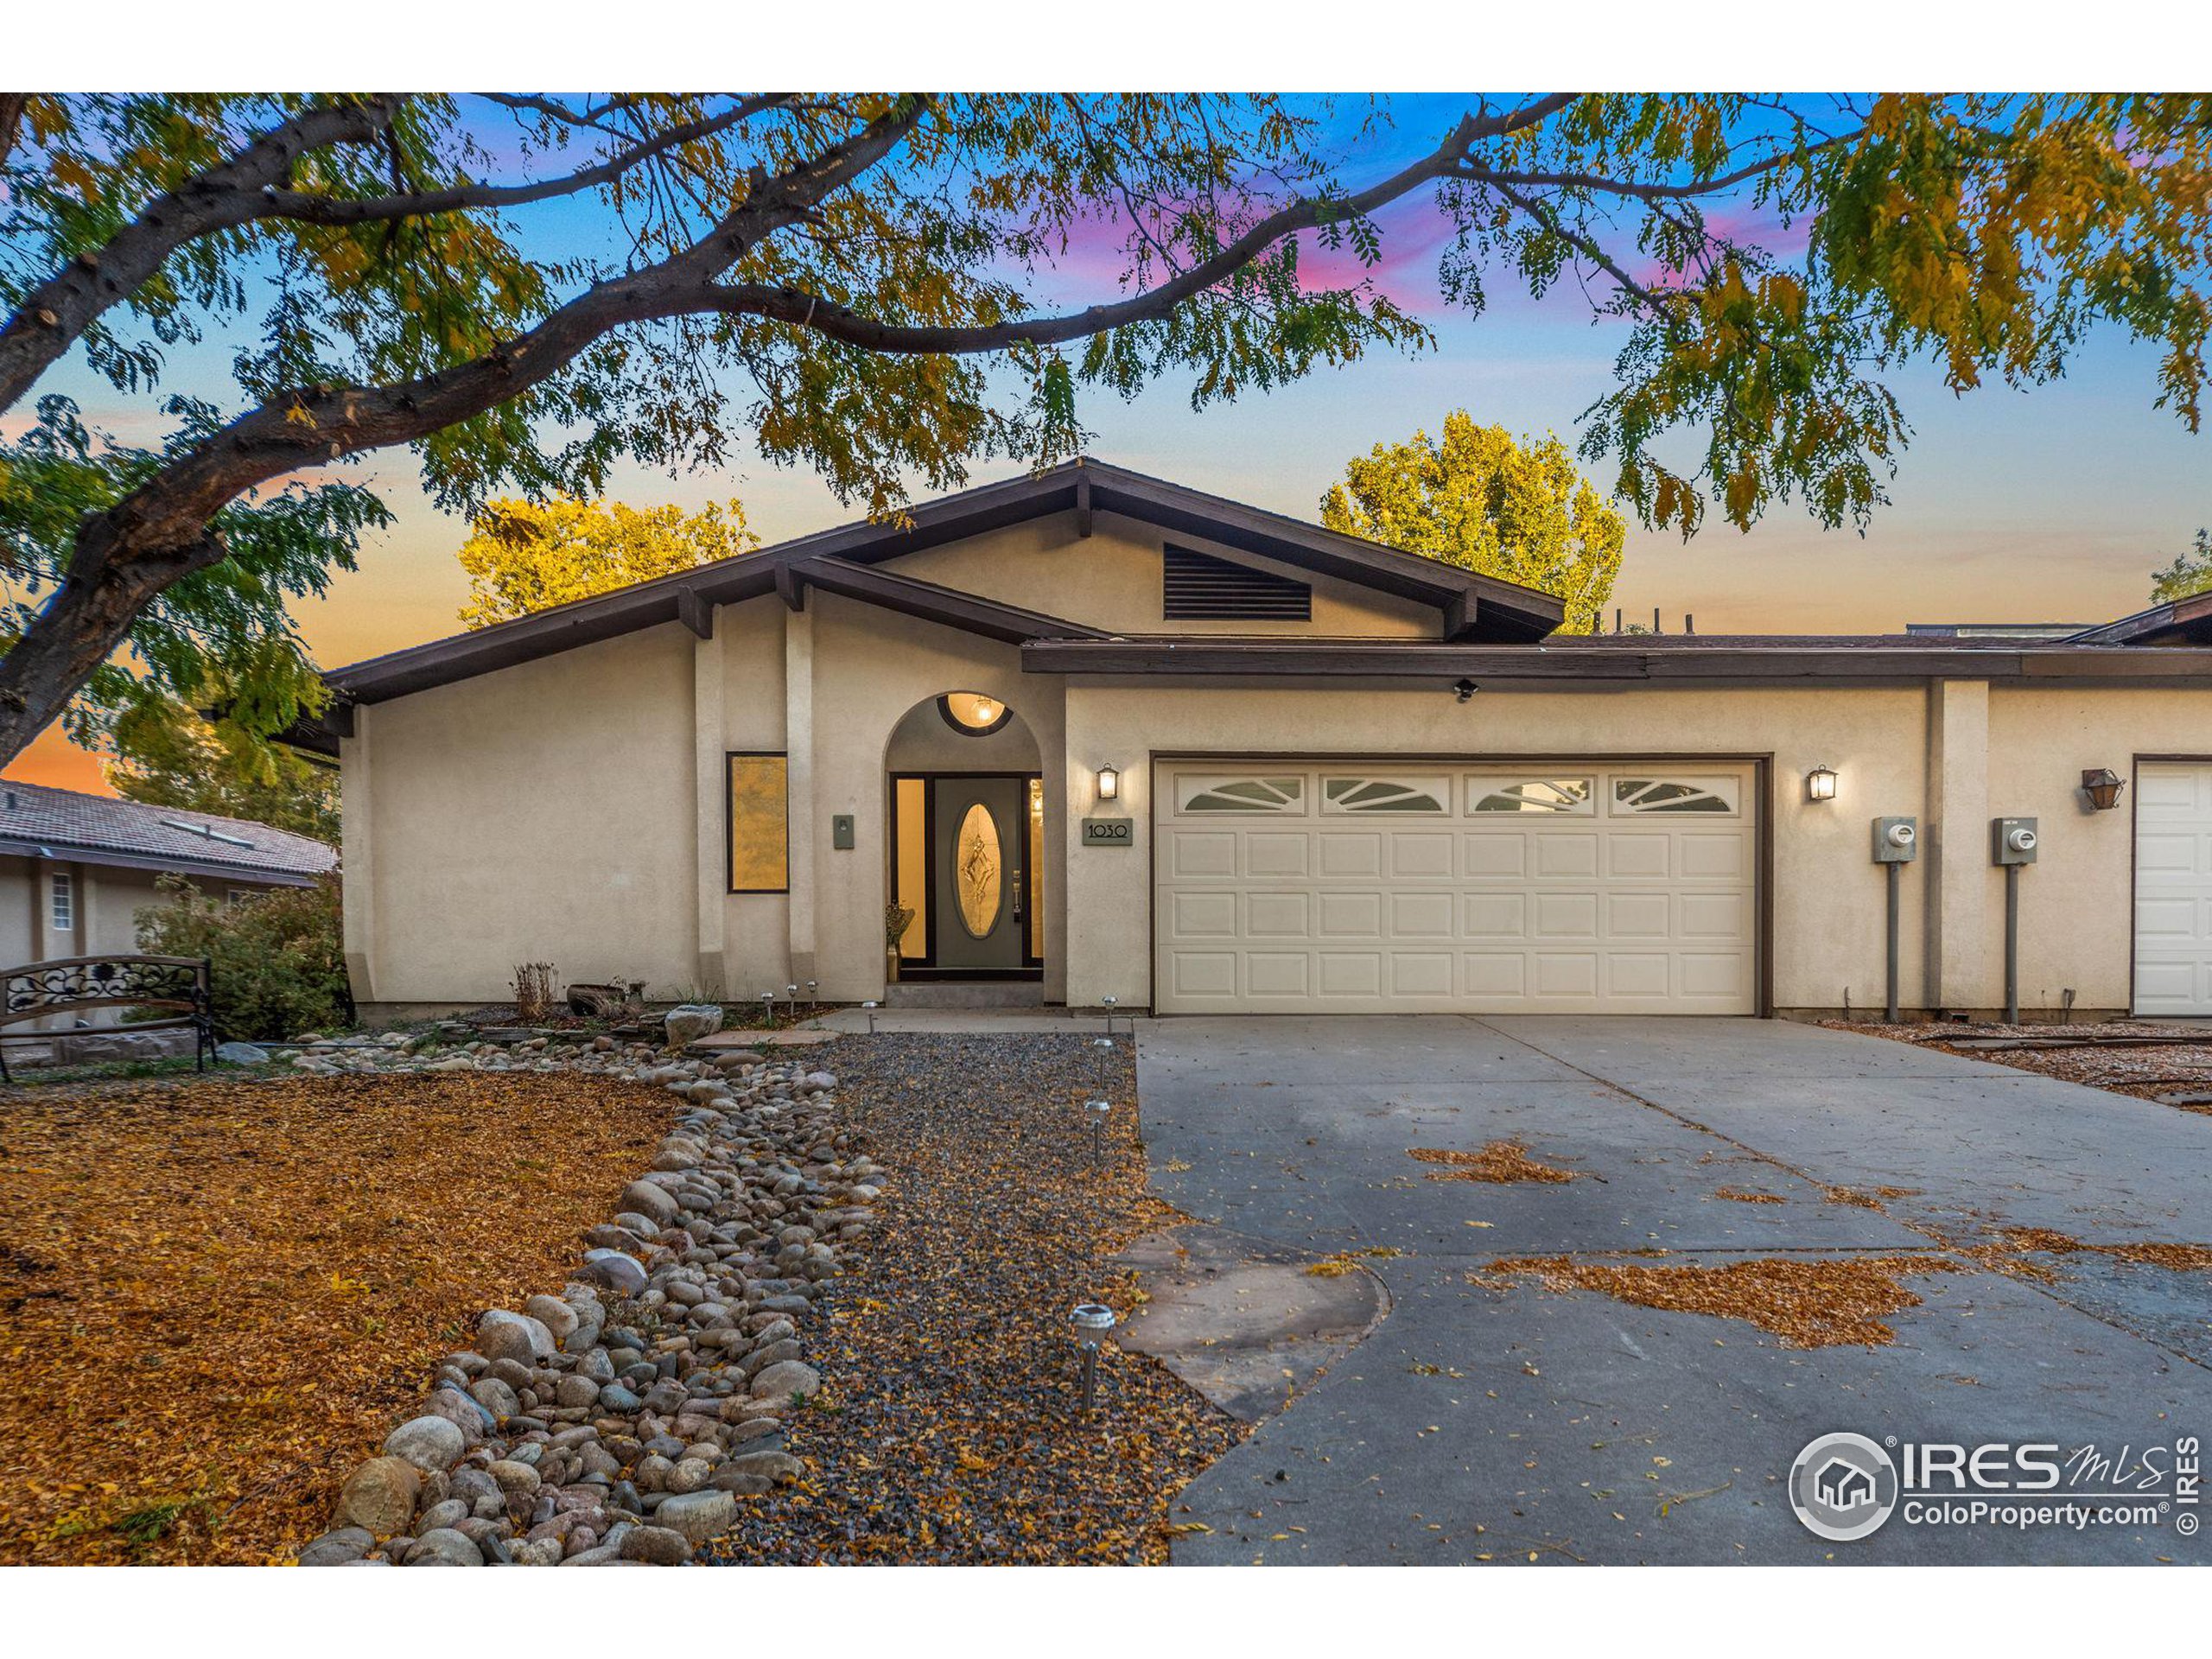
(2103, 786)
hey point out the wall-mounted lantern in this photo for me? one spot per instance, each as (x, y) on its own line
(1819, 784)
(1109, 783)
(2103, 786)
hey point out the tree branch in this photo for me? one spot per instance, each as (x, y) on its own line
(55, 315)
(1602, 185)
(369, 210)
(839, 323)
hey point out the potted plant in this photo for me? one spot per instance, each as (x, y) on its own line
(897, 918)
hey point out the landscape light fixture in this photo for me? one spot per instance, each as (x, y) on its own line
(768, 1009)
(2102, 786)
(1098, 1111)
(1819, 784)
(1092, 1321)
(870, 1008)
(1109, 783)
(1465, 690)
(1108, 1003)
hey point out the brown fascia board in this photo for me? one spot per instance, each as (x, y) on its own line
(1811, 663)
(1483, 608)
(2180, 622)
(969, 611)
(1477, 607)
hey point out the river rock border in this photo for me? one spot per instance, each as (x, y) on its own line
(621, 1420)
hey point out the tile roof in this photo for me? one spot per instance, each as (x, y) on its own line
(35, 817)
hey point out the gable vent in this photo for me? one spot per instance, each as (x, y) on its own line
(1197, 587)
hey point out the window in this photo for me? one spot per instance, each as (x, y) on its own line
(760, 831)
(1674, 795)
(63, 888)
(239, 895)
(973, 714)
(1243, 794)
(1384, 795)
(1531, 795)
(1199, 586)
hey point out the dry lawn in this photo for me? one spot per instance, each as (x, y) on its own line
(215, 1296)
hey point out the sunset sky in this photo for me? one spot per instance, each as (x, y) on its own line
(2049, 505)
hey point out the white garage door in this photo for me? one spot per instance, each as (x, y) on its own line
(2173, 889)
(1394, 887)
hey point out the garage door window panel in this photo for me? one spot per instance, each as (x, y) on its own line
(1645, 794)
(1242, 795)
(1411, 795)
(1524, 795)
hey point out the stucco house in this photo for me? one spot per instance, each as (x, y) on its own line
(1107, 736)
(76, 869)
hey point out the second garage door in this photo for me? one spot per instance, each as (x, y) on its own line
(1282, 887)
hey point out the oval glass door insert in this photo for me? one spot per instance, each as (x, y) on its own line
(977, 877)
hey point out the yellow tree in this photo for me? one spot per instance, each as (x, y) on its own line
(1520, 512)
(529, 556)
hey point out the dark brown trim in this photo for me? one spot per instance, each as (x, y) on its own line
(1812, 664)
(695, 612)
(789, 587)
(970, 613)
(2178, 622)
(1498, 610)
(1083, 509)
(729, 817)
(1762, 780)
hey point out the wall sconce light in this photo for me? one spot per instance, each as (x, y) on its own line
(1109, 783)
(2103, 786)
(1819, 784)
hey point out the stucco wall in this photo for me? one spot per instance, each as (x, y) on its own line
(543, 812)
(1112, 579)
(1827, 895)
(572, 808)
(2077, 900)
(871, 668)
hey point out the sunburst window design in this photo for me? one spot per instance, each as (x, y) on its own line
(975, 874)
(1533, 795)
(1672, 795)
(1244, 795)
(1383, 794)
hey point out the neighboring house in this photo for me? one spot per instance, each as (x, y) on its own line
(75, 869)
(1108, 736)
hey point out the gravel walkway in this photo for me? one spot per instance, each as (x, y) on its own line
(947, 1430)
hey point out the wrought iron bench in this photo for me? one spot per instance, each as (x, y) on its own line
(70, 983)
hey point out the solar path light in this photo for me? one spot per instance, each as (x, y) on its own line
(1098, 1111)
(1092, 1322)
(870, 1008)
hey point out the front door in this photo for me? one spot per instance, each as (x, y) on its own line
(980, 880)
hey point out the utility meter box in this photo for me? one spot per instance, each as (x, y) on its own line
(2012, 841)
(1896, 841)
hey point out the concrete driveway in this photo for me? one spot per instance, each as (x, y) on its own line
(1494, 1420)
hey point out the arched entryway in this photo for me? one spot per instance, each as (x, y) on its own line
(966, 800)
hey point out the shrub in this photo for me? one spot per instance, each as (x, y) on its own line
(277, 962)
(534, 991)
